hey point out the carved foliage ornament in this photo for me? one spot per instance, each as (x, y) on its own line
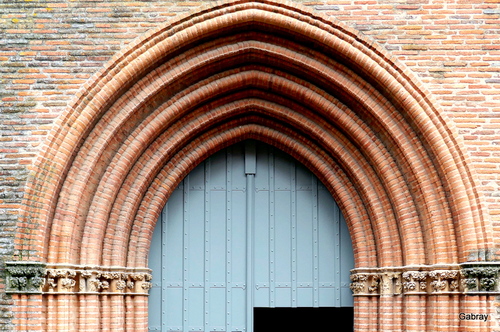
(405, 281)
(444, 280)
(97, 281)
(414, 281)
(480, 278)
(365, 283)
(28, 277)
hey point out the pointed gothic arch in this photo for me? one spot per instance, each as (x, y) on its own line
(274, 72)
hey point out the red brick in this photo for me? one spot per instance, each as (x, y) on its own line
(50, 65)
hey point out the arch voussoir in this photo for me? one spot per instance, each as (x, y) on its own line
(164, 184)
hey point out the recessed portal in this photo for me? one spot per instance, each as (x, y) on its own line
(249, 227)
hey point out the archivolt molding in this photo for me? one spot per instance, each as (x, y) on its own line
(262, 70)
(307, 84)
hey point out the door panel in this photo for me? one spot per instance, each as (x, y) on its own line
(228, 241)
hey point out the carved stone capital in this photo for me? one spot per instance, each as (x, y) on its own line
(25, 277)
(444, 280)
(410, 280)
(415, 282)
(365, 283)
(28, 277)
(112, 280)
(480, 278)
(61, 280)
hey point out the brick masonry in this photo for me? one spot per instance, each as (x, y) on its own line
(49, 50)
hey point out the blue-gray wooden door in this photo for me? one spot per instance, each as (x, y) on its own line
(249, 227)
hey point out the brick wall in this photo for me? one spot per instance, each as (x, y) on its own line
(49, 49)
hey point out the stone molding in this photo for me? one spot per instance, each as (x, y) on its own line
(474, 278)
(40, 278)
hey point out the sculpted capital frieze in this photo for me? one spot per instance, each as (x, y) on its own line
(29, 277)
(421, 280)
(25, 277)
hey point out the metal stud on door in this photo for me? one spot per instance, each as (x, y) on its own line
(249, 227)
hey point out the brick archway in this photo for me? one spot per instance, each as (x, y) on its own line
(277, 73)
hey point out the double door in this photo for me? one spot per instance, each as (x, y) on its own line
(250, 227)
